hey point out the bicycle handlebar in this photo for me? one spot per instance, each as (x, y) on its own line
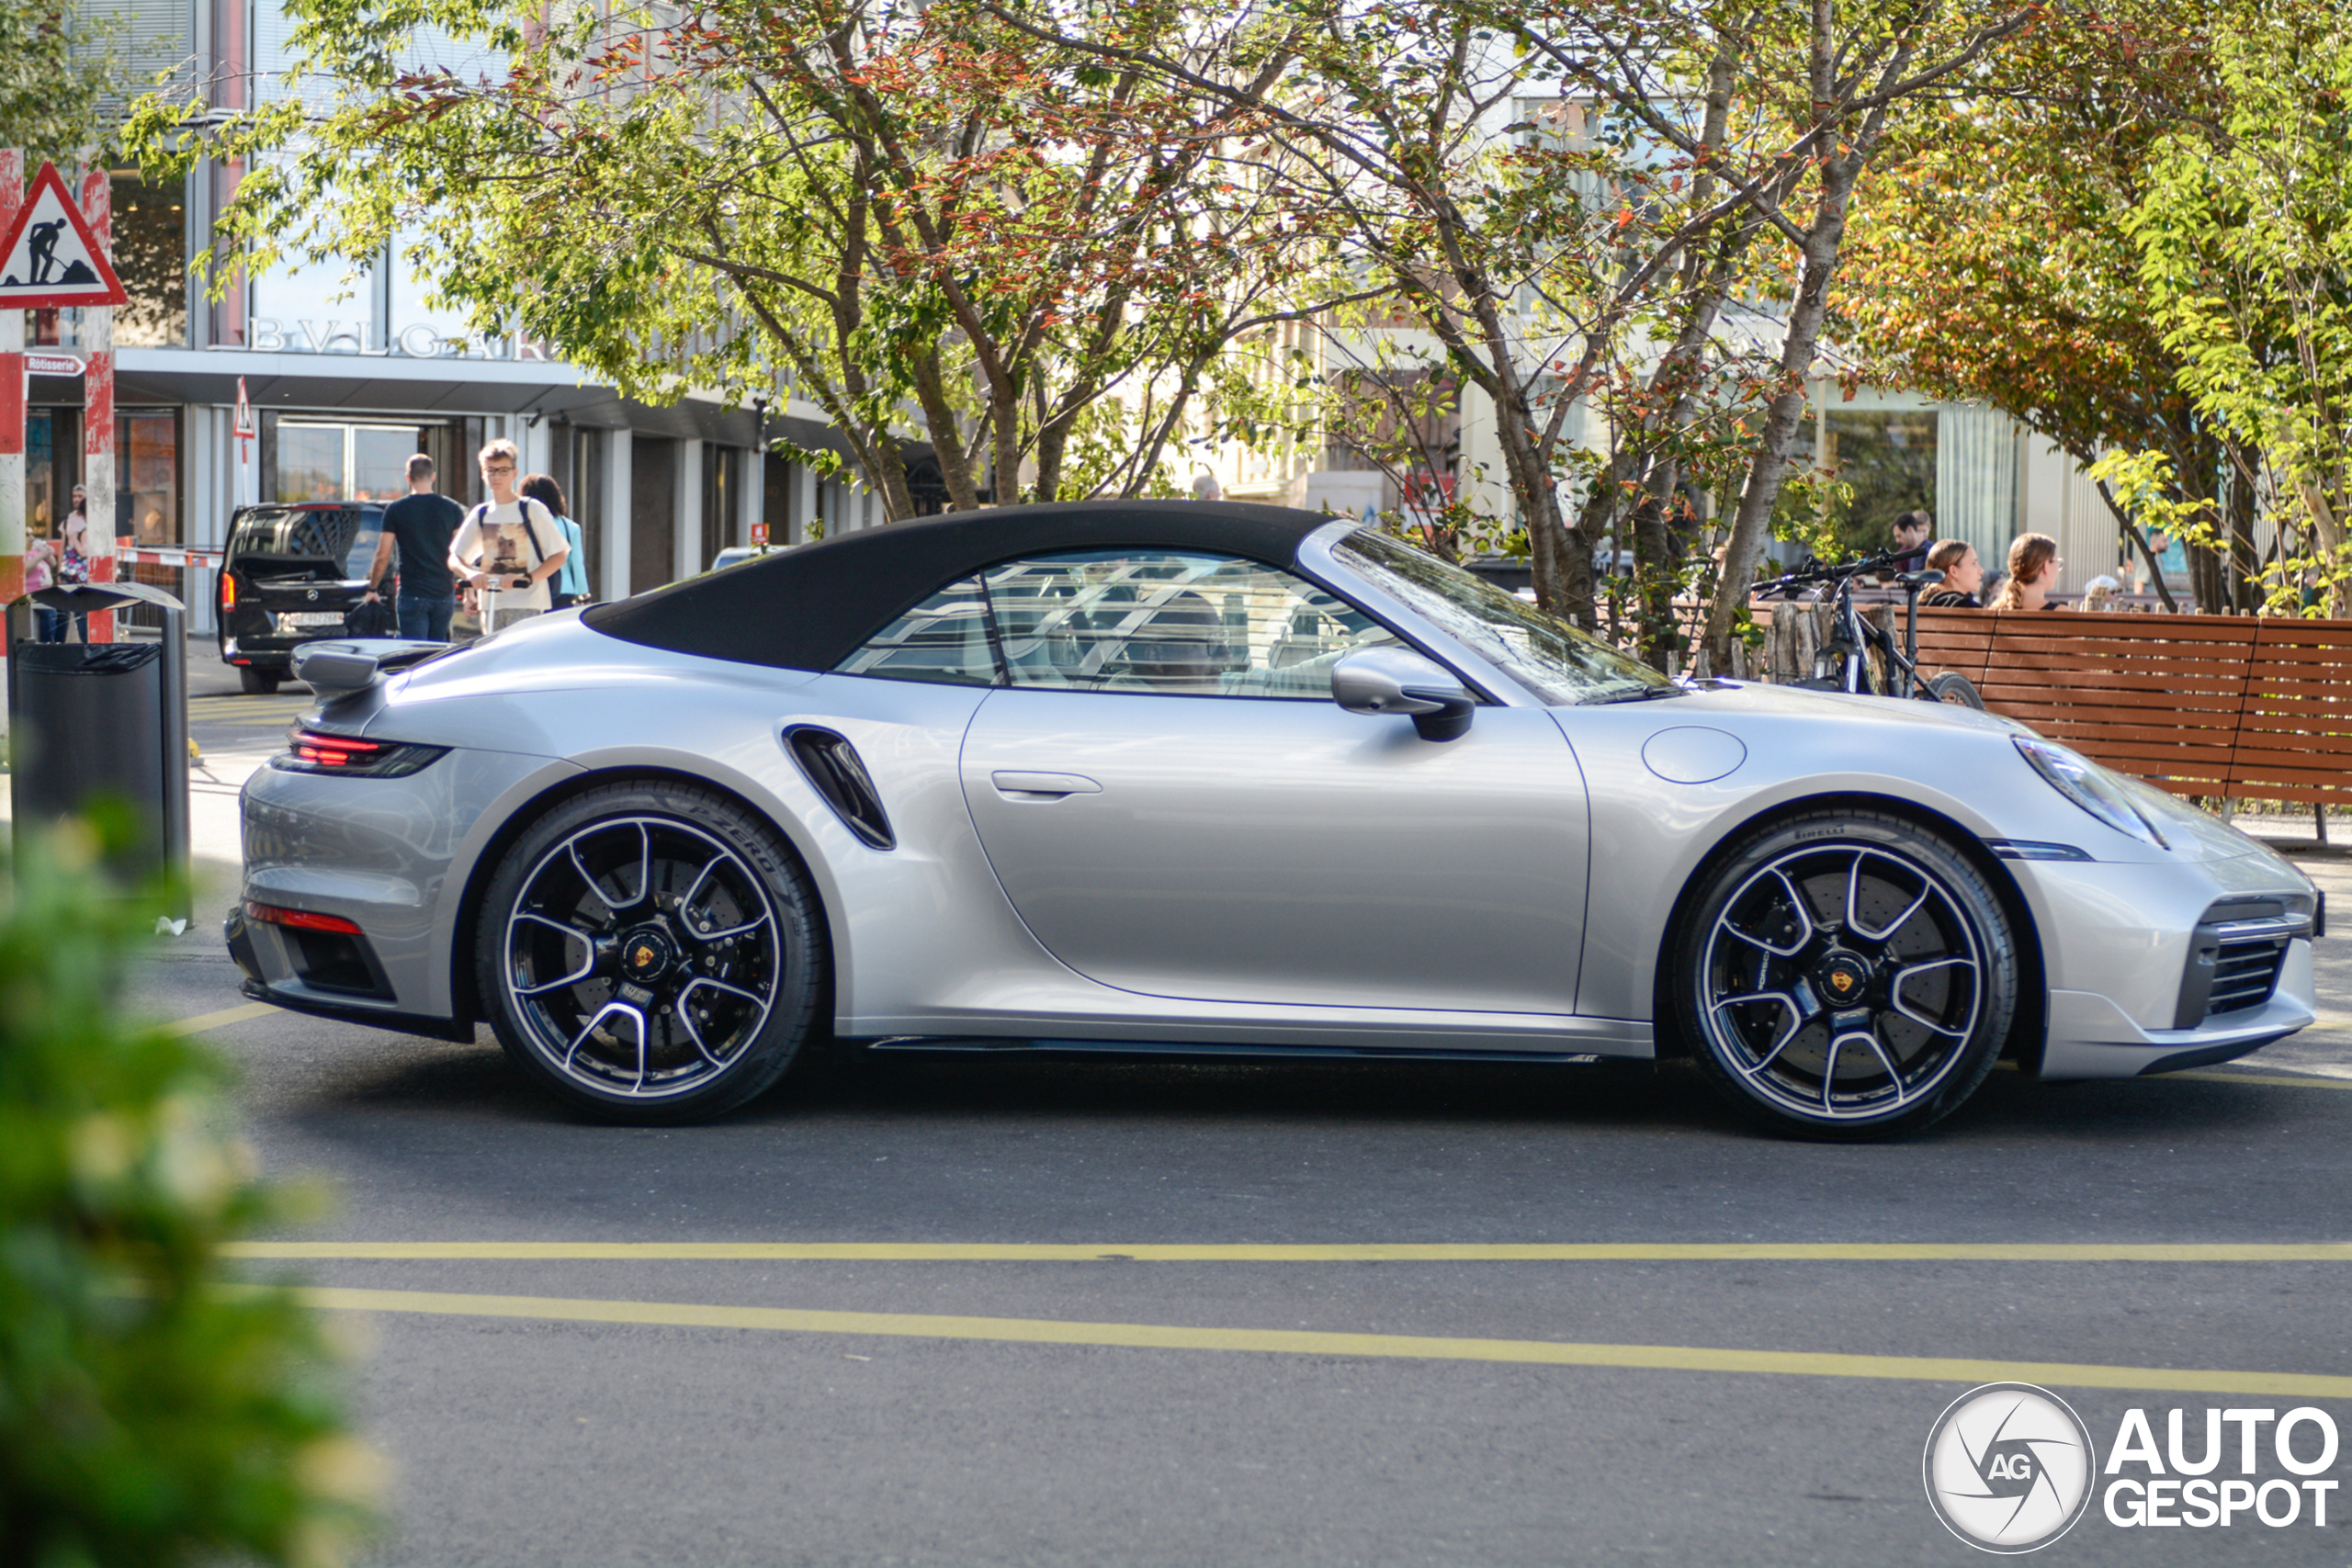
(1820, 571)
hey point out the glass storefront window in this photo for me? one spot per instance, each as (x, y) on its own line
(1888, 457)
(147, 475)
(310, 462)
(318, 460)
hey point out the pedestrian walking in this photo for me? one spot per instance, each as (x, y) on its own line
(2033, 572)
(421, 525)
(570, 585)
(1963, 576)
(508, 546)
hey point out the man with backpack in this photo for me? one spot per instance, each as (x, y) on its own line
(508, 546)
(421, 523)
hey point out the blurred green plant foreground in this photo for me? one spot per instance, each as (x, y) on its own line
(150, 1412)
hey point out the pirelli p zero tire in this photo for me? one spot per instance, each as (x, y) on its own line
(651, 953)
(1845, 975)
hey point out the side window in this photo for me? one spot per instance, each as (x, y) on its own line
(944, 638)
(1175, 624)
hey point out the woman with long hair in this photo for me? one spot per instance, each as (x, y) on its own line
(570, 585)
(2033, 572)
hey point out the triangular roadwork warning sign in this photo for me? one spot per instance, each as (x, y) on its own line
(51, 257)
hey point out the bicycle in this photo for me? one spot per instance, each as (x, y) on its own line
(1852, 637)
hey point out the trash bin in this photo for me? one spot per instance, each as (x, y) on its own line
(92, 721)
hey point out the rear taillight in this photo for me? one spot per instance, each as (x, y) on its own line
(309, 751)
(228, 591)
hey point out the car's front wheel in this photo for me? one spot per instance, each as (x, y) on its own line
(1845, 974)
(651, 953)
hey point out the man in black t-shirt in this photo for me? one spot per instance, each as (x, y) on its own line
(421, 523)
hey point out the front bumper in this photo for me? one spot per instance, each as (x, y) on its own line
(2120, 946)
(2090, 1037)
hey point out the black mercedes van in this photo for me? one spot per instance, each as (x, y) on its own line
(293, 572)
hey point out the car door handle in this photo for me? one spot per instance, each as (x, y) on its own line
(1045, 786)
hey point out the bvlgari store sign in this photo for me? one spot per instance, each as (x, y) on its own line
(271, 334)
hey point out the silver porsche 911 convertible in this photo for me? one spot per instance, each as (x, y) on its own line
(1205, 779)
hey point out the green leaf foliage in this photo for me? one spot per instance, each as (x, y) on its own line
(149, 1415)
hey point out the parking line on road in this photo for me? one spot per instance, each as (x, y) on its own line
(220, 1020)
(1340, 1252)
(1304, 1342)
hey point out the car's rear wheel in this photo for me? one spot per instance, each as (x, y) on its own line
(256, 683)
(1846, 975)
(651, 953)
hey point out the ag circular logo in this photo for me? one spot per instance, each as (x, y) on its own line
(2010, 1468)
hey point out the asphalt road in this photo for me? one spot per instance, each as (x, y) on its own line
(832, 1329)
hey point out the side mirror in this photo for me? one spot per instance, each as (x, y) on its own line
(1398, 680)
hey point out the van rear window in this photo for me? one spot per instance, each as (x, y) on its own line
(342, 535)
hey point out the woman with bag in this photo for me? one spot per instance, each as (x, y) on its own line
(570, 585)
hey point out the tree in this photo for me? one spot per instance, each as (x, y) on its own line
(1813, 97)
(1996, 264)
(59, 70)
(1387, 128)
(150, 1412)
(906, 216)
(2245, 236)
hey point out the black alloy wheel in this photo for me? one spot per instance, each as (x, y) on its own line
(651, 953)
(1846, 975)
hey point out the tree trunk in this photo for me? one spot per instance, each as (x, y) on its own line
(2245, 560)
(946, 432)
(1786, 415)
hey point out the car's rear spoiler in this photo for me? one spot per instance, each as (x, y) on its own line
(336, 669)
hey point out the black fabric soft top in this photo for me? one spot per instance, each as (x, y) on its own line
(812, 607)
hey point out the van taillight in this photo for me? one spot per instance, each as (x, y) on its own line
(228, 591)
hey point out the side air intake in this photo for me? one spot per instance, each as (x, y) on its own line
(839, 775)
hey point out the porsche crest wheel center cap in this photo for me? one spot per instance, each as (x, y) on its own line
(644, 953)
(1842, 977)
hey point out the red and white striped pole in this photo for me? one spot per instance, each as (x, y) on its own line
(12, 413)
(97, 402)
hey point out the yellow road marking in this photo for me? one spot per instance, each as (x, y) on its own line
(1302, 1342)
(2275, 1080)
(1345, 1252)
(220, 1020)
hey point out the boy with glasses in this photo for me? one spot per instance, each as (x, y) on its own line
(508, 546)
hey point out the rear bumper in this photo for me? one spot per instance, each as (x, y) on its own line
(246, 945)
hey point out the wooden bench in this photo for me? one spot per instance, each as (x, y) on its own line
(2156, 696)
(2238, 708)
(2295, 726)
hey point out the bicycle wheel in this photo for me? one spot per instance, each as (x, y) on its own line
(1954, 687)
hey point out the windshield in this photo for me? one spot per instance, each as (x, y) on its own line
(1555, 661)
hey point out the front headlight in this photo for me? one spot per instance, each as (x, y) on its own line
(2089, 787)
